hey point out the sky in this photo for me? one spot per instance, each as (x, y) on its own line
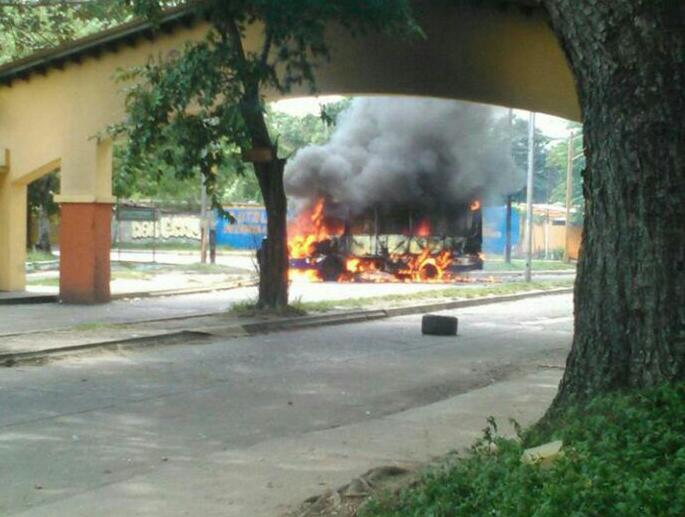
(553, 127)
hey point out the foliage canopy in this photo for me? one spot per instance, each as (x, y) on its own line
(209, 100)
(30, 25)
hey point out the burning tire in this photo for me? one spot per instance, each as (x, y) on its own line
(331, 268)
(429, 272)
(434, 325)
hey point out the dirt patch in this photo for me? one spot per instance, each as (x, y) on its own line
(347, 500)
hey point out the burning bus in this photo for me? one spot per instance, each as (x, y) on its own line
(395, 193)
(382, 244)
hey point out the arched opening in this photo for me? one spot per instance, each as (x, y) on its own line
(42, 234)
(15, 225)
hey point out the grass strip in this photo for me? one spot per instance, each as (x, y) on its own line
(39, 256)
(297, 307)
(449, 293)
(519, 265)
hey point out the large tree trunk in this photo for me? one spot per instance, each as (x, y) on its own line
(273, 256)
(628, 57)
(273, 274)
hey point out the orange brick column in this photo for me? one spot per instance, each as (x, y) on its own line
(84, 243)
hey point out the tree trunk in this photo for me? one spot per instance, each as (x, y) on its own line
(273, 274)
(43, 230)
(628, 58)
(273, 256)
(29, 225)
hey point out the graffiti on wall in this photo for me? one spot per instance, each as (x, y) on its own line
(168, 227)
(246, 232)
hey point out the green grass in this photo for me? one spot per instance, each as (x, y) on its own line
(45, 282)
(146, 271)
(151, 268)
(248, 309)
(463, 292)
(116, 275)
(96, 326)
(623, 455)
(203, 268)
(39, 256)
(498, 264)
(131, 275)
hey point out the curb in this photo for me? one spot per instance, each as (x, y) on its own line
(263, 327)
(42, 265)
(473, 302)
(32, 298)
(168, 338)
(375, 314)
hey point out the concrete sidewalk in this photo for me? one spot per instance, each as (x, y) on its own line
(275, 476)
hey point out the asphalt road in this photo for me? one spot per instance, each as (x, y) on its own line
(120, 433)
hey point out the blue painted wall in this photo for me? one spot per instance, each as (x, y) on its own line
(494, 229)
(246, 233)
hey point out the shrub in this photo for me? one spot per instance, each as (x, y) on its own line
(624, 455)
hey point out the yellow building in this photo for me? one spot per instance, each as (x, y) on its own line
(550, 234)
(55, 104)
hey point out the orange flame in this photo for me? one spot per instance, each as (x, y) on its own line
(307, 230)
(306, 275)
(424, 228)
(311, 229)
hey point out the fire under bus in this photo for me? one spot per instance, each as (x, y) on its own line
(386, 245)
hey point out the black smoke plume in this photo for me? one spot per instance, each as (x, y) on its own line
(413, 153)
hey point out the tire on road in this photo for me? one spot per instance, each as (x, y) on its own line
(434, 325)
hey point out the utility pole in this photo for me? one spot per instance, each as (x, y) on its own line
(507, 245)
(569, 192)
(529, 198)
(203, 220)
(212, 237)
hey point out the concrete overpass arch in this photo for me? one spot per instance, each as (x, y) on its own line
(55, 104)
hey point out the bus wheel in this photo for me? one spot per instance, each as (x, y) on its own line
(331, 268)
(429, 272)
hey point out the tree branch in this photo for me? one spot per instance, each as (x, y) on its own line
(237, 42)
(263, 59)
(253, 117)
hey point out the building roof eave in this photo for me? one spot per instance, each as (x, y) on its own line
(92, 45)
